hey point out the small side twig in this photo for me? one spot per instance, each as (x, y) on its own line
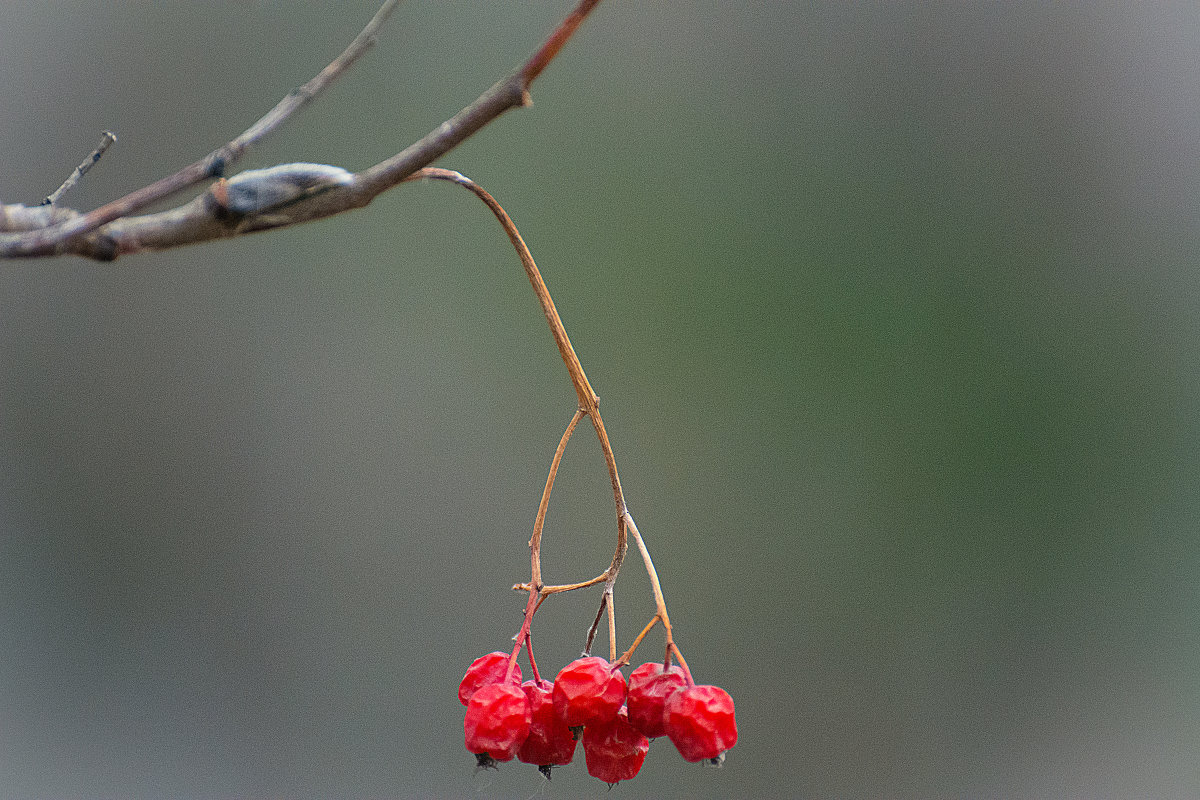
(106, 141)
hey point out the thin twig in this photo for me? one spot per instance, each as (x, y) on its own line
(302, 96)
(546, 53)
(105, 142)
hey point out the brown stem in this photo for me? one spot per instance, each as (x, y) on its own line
(524, 636)
(628, 654)
(535, 541)
(537, 676)
(673, 649)
(660, 601)
(589, 403)
(591, 634)
(612, 621)
(570, 587)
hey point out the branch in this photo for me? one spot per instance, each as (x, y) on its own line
(267, 199)
(58, 239)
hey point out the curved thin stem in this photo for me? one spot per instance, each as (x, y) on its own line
(659, 600)
(628, 654)
(589, 403)
(535, 541)
(537, 676)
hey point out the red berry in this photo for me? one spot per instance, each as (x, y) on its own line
(649, 688)
(484, 670)
(497, 722)
(614, 750)
(700, 722)
(550, 741)
(588, 690)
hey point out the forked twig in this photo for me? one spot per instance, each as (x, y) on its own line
(109, 231)
(54, 240)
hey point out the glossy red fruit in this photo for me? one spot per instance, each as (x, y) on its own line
(484, 670)
(497, 722)
(649, 688)
(588, 690)
(614, 750)
(700, 722)
(550, 742)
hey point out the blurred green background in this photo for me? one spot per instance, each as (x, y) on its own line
(894, 309)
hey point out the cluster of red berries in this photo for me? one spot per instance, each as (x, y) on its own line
(539, 722)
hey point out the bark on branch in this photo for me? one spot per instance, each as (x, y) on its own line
(259, 200)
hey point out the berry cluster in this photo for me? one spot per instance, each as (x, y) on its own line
(539, 722)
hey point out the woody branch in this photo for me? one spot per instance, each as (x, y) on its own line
(261, 200)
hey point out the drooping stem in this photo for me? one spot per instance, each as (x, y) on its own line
(589, 403)
(523, 636)
(673, 650)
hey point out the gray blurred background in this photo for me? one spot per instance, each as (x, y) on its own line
(894, 309)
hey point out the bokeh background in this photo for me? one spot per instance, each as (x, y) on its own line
(894, 309)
